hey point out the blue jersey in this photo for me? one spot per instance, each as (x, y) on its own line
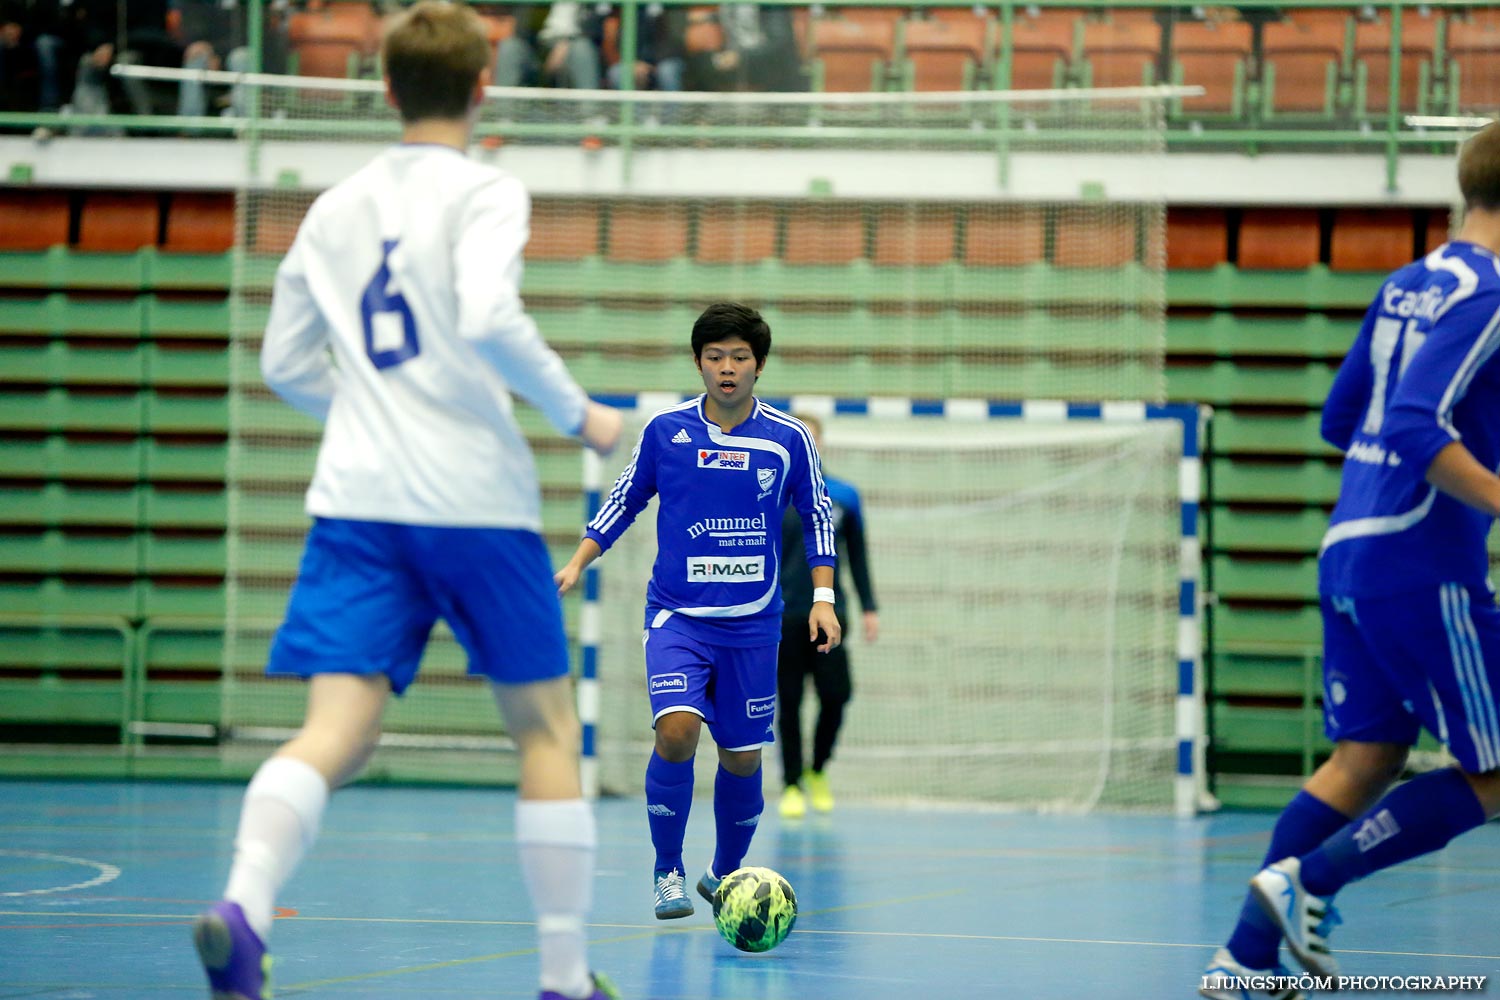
(1421, 375)
(718, 524)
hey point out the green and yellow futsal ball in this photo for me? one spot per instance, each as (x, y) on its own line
(755, 908)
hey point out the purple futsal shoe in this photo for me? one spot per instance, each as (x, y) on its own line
(603, 990)
(234, 957)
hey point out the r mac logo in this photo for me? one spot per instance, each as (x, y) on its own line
(669, 684)
(736, 460)
(725, 569)
(760, 708)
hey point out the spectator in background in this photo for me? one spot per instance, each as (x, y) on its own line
(31, 55)
(213, 37)
(20, 69)
(133, 33)
(660, 57)
(554, 45)
(759, 53)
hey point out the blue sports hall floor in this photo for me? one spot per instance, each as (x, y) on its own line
(415, 893)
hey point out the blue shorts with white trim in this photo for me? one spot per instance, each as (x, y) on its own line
(732, 688)
(368, 593)
(1428, 658)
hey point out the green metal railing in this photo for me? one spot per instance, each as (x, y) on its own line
(1389, 136)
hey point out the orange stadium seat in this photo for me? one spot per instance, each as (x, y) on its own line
(1090, 236)
(1372, 59)
(563, 230)
(1300, 63)
(1120, 53)
(1005, 236)
(943, 55)
(1278, 239)
(824, 235)
(1197, 238)
(906, 237)
(647, 233)
(1378, 239)
(32, 220)
(1042, 49)
(882, 17)
(736, 234)
(200, 223)
(277, 217)
(1474, 60)
(326, 39)
(853, 54)
(122, 222)
(1215, 55)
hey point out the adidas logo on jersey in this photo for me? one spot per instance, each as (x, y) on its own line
(681, 437)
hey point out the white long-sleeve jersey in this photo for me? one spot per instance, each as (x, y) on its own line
(397, 319)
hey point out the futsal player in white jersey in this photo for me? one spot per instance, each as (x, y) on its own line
(396, 319)
(724, 467)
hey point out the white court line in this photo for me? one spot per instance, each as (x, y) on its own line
(801, 932)
(107, 872)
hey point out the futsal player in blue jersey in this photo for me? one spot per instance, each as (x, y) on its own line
(1411, 633)
(396, 320)
(724, 466)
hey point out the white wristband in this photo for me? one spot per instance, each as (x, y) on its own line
(822, 595)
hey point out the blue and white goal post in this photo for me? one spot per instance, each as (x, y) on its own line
(1038, 570)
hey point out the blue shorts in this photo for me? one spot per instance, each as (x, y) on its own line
(732, 688)
(1429, 658)
(368, 593)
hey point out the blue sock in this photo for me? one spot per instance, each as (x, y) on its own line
(669, 797)
(1304, 824)
(1413, 819)
(737, 807)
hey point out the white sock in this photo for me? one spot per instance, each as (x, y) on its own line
(557, 841)
(278, 822)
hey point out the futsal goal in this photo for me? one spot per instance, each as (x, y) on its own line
(1036, 567)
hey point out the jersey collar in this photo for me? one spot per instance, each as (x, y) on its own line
(755, 412)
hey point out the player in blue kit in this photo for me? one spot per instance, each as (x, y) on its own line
(724, 466)
(1411, 634)
(396, 319)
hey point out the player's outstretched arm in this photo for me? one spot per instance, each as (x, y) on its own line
(602, 426)
(567, 578)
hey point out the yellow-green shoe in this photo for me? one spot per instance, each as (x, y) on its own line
(818, 792)
(793, 805)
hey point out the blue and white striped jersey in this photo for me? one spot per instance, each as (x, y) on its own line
(1421, 375)
(718, 523)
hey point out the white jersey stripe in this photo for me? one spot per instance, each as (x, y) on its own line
(1489, 721)
(1463, 669)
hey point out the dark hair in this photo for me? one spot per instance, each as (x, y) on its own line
(727, 320)
(1479, 169)
(434, 53)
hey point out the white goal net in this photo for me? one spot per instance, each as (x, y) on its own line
(1027, 577)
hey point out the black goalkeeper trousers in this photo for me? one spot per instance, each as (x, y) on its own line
(795, 660)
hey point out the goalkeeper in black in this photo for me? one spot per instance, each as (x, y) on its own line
(799, 658)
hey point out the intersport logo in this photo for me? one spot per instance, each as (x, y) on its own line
(739, 461)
